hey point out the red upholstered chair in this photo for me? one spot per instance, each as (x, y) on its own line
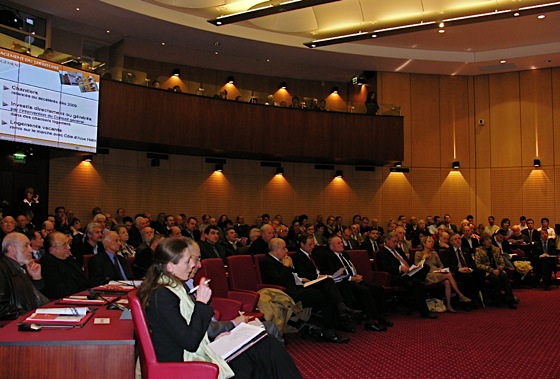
(85, 260)
(214, 269)
(360, 260)
(243, 275)
(151, 368)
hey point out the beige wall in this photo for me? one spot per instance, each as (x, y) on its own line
(521, 113)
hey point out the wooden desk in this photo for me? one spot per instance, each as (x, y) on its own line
(93, 351)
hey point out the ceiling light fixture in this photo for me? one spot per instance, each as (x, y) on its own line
(338, 174)
(280, 171)
(176, 72)
(267, 10)
(334, 90)
(456, 165)
(230, 80)
(427, 25)
(87, 158)
(219, 167)
(283, 85)
(399, 169)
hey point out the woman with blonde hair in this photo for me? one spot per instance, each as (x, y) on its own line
(435, 275)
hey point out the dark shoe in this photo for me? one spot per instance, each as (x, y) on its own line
(516, 299)
(375, 327)
(331, 336)
(351, 314)
(430, 316)
(547, 288)
(344, 327)
(387, 323)
(512, 305)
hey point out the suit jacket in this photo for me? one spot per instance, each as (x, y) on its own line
(274, 272)
(102, 269)
(62, 277)
(259, 246)
(351, 244)
(329, 263)
(303, 265)
(539, 248)
(193, 235)
(367, 245)
(81, 247)
(535, 237)
(134, 237)
(465, 244)
(449, 259)
(388, 263)
(230, 249)
(207, 251)
(483, 262)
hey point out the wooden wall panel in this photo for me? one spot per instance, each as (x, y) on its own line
(425, 121)
(483, 150)
(425, 194)
(536, 117)
(505, 125)
(538, 189)
(454, 120)
(507, 192)
(455, 194)
(396, 194)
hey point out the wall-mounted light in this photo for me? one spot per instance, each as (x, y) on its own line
(230, 79)
(280, 171)
(399, 169)
(176, 72)
(397, 164)
(219, 167)
(283, 85)
(87, 158)
(334, 90)
(456, 165)
(537, 162)
(338, 174)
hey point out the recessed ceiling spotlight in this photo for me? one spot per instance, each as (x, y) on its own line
(374, 36)
(108, 31)
(503, 61)
(163, 44)
(216, 44)
(516, 14)
(78, 9)
(215, 53)
(549, 61)
(441, 31)
(268, 60)
(541, 16)
(441, 24)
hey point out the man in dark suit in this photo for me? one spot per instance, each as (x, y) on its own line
(448, 224)
(260, 245)
(544, 259)
(108, 265)
(469, 243)
(307, 269)
(191, 229)
(231, 244)
(393, 261)
(62, 274)
(145, 257)
(461, 264)
(210, 247)
(348, 242)
(277, 268)
(89, 243)
(369, 297)
(500, 242)
(531, 232)
(371, 244)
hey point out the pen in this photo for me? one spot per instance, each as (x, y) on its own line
(195, 288)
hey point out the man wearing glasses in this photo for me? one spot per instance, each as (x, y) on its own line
(62, 274)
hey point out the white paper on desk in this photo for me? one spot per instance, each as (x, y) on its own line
(124, 283)
(240, 336)
(75, 311)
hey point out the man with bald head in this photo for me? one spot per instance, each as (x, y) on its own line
(20, 278)
(108, 265)
(260, 245)
(62, 273)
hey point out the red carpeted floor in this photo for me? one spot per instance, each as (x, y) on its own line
(483, 343)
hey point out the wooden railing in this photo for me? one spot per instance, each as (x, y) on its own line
(155, 120)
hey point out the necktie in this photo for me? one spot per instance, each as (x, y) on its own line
(545, 246)
(461, 258)
(216, 251)
(314, 264)
(347, 265)
(400, 258)
(530, 234)
(120, 274)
